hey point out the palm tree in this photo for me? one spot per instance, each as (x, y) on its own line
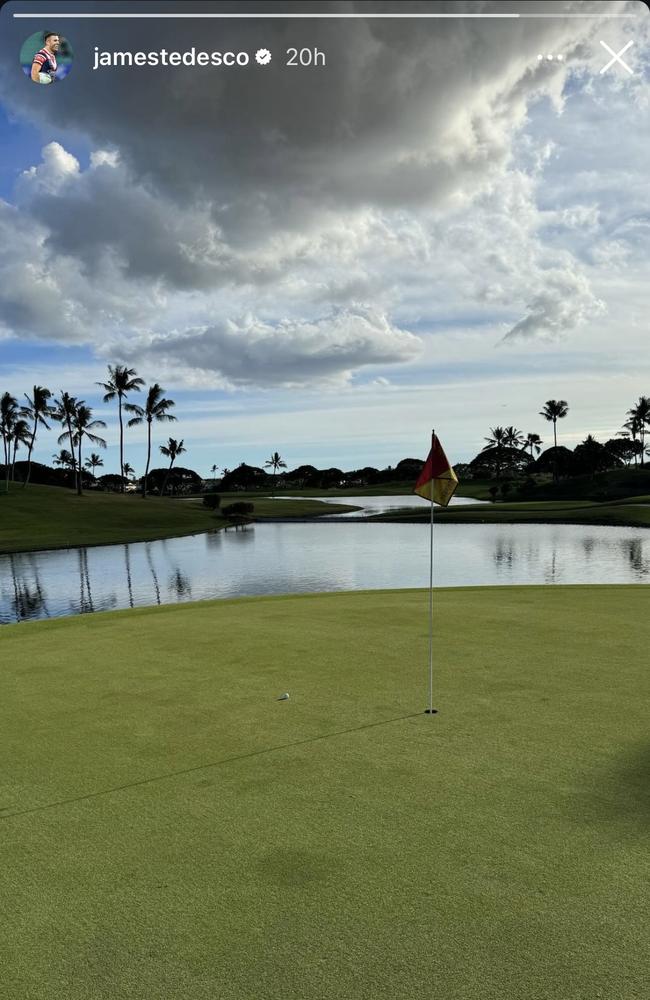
(83, 426)
(497, 440)
(129, 471)
(533, 441)
(121, 380)
(20, 435)
(554, 410)
(514, 438)
(64, 459)
(8, 417)
(172, 450)
(155, 408)
(93, 462)
(63, 413)
(641, 414)
(632, 429)
(214, 470)
(37, 409)
(275, 463)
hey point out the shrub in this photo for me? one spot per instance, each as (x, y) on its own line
(238, 509)
(212, 501)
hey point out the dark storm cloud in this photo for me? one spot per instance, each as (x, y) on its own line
(297, 195)
(405, 111)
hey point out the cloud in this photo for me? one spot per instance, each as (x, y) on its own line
(395, 119)
(429, 185)
(564, 301)
(252, 352)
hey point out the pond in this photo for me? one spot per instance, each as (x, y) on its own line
(321, 555)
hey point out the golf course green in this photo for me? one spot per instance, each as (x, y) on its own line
(171, 830)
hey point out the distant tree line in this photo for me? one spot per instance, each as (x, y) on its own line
(509, 453)
(308, 477)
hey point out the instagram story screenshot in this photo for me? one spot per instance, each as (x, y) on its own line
(324, 500)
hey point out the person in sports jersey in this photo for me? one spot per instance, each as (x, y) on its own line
(44, 64)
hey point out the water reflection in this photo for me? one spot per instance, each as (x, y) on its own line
(315, 556)
(504, 552)
(179, 584)
(129, 581)
(214, 540)
(28, 600)
(639, 561)
(152, 569)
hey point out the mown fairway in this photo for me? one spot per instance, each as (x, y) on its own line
(170, 830)
(50, 517)
(634, 511)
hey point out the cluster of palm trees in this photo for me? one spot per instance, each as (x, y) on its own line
(20, 424)
(636, 425)
(634, 429)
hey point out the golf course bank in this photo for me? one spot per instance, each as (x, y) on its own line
(50, 517)
(170, 829)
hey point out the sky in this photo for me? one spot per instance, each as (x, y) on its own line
(436, 229)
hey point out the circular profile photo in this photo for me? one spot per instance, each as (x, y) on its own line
(46, 57)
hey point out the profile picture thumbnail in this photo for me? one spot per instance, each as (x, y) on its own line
(46, 57)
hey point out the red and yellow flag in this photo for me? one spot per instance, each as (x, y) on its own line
(437, 481)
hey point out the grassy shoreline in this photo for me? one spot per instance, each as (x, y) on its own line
(614, 513)
(41, 518)
(168, 826)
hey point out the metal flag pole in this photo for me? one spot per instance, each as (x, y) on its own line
(431, 710)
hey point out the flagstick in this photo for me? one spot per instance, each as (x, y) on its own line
(431, 710)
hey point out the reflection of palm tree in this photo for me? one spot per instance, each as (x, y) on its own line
(180, 584)
(155, 408)
(275, 463)
(87, 577)
(635, 554)
(14, 580)
(554, 410)
(37, 583)
(129, 582)
(121, 380)
(28, 601)
(153, 572)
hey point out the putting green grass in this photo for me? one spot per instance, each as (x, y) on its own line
(50, 517)
(170, 830)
